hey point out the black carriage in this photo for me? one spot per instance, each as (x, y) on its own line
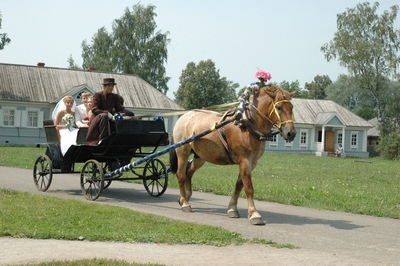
(128, 139)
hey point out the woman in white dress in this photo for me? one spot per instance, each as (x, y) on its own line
(64, 119)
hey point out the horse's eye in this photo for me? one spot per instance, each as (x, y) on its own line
(279, 108)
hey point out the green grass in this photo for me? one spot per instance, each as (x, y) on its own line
(91, 262)
(368, 186)
(363, 186)
(45, 217)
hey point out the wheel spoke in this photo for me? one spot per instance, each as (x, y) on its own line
(92, 181)
(42, 173)
(155, 177)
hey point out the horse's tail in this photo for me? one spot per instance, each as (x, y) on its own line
(173, 159)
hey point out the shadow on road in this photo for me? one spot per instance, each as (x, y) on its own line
(200, 205)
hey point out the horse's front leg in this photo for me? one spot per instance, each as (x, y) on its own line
(253, 215)
(232, 207)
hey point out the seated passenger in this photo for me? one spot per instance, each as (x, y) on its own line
(64, 120)
(89, 115)
(104, 104)
(81, 111)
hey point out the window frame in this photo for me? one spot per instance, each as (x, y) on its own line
(25, 117)
(356, 139)
(339, 137)
(4, 110)
(274, 141)
(303, 131)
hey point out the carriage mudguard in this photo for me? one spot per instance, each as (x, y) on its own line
(53, 151)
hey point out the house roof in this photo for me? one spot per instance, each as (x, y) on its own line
(319, 112)
(49, 84)
(373, 132)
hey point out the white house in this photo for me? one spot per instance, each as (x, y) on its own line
(321, 125)
(28, 95)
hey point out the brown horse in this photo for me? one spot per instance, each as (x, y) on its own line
(235, 144)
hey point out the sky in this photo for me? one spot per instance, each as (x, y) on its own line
(283, 37)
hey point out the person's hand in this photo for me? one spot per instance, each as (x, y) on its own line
(110, 116)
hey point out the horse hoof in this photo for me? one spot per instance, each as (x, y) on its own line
(233, 214)
(187, 209)
(179, 201)
(257, 221)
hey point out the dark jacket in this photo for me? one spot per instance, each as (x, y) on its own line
(104, 103)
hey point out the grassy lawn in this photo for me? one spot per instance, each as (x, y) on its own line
(44, 217)
(364, 186)
(367, 186)
(92, 262)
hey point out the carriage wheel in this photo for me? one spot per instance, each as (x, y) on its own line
(42, 173)
(92, 179)
(155, 177)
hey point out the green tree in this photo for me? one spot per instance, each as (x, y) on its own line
(294, 86)
(346, 92)
(367, 45)
(391, 102)
(99, 54)
(316, 88)
(201, 86)
(230, 91)
(71, 63)
(133, 47)
(4, 40)
(389, 145)
(139, 49)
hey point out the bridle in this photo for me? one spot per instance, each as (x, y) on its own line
(279, 124)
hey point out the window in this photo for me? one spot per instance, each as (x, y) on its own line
(32, 119)
(303, 138)
(9, 117)
(339, 138)
(319, 136)
(273, 142)
(354, 139)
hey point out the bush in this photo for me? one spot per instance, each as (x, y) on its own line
(389, 146)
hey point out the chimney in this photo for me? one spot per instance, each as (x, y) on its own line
(40, 64)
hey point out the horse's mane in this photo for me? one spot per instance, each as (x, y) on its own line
(277, 91)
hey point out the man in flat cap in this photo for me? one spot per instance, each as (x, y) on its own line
(104, 104)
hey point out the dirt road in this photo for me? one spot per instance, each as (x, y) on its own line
(324, 237)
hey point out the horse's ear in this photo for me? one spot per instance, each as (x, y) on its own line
(292, 93)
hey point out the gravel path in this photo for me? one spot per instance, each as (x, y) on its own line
(324, 237)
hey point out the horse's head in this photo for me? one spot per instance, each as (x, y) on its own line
(274, 103)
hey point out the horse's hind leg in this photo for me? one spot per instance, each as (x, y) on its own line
(184, 174)
(191, 167)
